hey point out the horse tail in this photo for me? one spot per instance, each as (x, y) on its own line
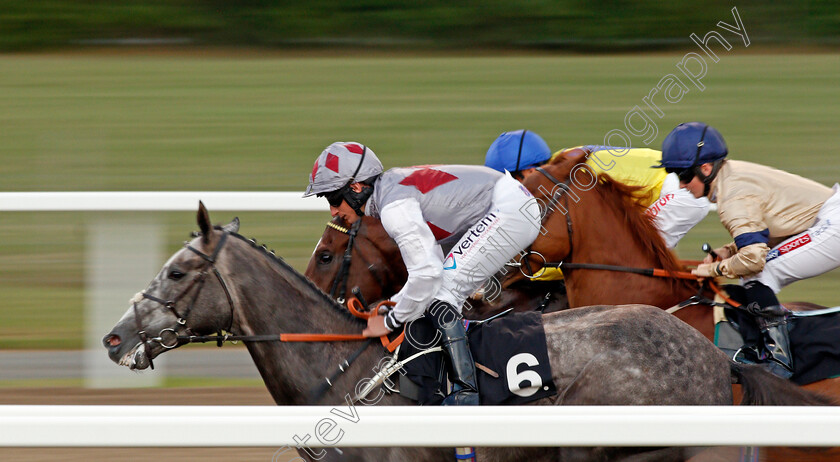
(762, 388)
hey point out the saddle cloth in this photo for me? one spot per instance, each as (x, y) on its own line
(814, 339)
(513, 346)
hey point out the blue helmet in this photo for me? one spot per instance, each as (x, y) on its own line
(517, 150)
(690, 144)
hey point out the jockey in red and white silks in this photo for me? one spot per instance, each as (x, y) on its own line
(486, 217)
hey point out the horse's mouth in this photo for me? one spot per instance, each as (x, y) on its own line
(136, 358)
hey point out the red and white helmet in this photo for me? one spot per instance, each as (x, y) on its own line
(342, 163)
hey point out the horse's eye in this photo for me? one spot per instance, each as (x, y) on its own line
(175, 275)
(325, 258)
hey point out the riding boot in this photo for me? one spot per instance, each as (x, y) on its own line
(777, 342)
(456, 349)
(772, 319)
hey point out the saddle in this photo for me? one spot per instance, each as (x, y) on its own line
(510, 353)
(814, 339)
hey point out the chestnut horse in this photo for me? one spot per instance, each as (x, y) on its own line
(362, 256)
(602, 223)
(364, 261)
(223, 282)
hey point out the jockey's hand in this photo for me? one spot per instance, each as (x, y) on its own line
(376, 327)
(722, 253)
(707, 270)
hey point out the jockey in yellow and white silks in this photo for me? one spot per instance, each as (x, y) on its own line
(674, 210)
(785, 227)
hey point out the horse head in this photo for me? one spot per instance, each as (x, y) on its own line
(189, 296)
(556, 193)
(373, 264)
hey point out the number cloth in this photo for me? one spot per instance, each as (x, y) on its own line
(512, 346)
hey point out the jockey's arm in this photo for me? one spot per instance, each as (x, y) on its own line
(403, 221)
(747, 261)
(741, 215)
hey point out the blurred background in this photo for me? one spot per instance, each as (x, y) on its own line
(179, 95)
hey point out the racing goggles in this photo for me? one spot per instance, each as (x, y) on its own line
(335, 198)
(684, 174)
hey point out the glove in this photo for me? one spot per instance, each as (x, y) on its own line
(707, 270)
(722, 252)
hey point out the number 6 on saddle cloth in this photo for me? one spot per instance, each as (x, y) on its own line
(513, 346)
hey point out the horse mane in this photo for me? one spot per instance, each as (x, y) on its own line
(300, 277)
(625, 201)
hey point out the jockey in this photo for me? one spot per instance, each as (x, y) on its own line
(485, 217)
(674, 210)
(785, 227)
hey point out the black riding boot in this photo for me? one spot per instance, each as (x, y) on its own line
(772, 319)
(456, 349)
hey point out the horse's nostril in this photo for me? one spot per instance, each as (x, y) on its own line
(111, 340)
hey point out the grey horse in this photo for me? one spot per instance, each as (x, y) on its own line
(599, 355)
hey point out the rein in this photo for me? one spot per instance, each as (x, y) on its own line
(651, 272)
(655, 272)
(169, 338)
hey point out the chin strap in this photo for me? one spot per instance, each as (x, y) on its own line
(707, 179)
(357, 199)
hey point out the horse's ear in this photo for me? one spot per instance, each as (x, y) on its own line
(577, 155)
(571, 155)
(203, 219)
(233, 226)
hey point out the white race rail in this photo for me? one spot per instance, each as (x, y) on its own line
(362, 426)
(227, 426)
(158, 201)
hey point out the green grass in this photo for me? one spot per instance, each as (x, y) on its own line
(191, 122)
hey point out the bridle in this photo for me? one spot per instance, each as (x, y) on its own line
(558, 192)
(338, 291)
(565, 265)
(168, 338)
(343, 271)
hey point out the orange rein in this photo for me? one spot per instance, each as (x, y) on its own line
(687, 275)
(356, 309)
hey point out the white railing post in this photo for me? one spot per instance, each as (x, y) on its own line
(122, 254)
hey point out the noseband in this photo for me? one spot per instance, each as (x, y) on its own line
(168, 338)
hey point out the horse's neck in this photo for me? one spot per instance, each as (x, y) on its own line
(276, 300)
(611, 242)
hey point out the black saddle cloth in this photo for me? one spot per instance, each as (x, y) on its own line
(513, 346)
